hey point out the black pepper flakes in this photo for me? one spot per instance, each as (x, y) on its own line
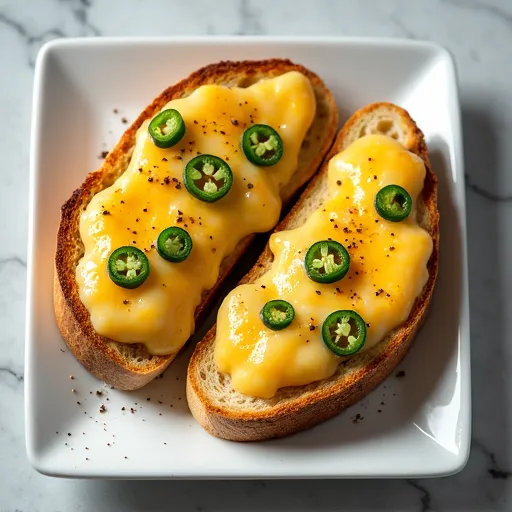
(250, 185)
(357, 418)
(338, 182)
(150, 179)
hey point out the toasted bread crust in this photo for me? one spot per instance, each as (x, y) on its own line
(130, 367)
(338, 392)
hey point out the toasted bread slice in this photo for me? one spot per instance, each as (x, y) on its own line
(128, 366)
(228, 414)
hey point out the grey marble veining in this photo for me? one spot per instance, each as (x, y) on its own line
(479, 35)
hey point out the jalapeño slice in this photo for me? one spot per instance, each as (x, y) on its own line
(277, 314)
(174, 244)
(167, 128)
(208, 177)
(344, 332)
(262, 145)
(128, 267)
(393, 203)
(327, 261)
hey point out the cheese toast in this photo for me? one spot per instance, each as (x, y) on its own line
(128, 364)
(230, 414)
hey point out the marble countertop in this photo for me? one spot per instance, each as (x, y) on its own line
(479, 35)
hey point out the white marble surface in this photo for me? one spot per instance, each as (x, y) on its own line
(479, 34)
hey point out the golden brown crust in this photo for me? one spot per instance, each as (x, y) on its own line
(338, 392)
(130, 367)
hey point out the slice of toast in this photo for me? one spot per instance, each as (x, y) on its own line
(228, 414)
(126, 366)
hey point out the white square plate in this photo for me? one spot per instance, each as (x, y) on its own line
(414, 426)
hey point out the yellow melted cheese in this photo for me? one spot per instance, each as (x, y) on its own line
(387, 272)
(150, 196)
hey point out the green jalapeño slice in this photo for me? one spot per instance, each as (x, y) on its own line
(167, 128)
(128, 267)
(262, 145)
(327, 261)
(393, 203)
(344, 332)
(208, 177)
(174, 244)
(277, 314)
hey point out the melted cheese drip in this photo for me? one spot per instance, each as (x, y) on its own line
(150, 196)
(387, 272)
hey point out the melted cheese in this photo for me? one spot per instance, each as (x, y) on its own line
(150, 196)
(387, 272)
